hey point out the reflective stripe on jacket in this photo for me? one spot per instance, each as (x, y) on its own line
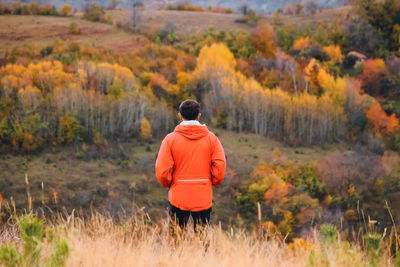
(190, 161)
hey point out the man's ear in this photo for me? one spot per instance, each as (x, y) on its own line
(198, 117)
(180, 116)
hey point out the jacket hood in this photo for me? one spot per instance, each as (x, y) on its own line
(192, 131)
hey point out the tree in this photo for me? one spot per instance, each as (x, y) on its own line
(288, 10)
(263, 42)
(113, 4)
(94, 12)
(381, 123)
(69, 130)
(145, 129)
(66, 10)
(333, 88)
(244, 7)
(285, 36)
(301, 43)
(334, 53)
(312, 6)
(374, 77)
(136, 14)
(233, 101)
(298, 8)
(383, 16)
(341, 171)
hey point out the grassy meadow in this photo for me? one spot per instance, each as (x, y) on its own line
(100, 241)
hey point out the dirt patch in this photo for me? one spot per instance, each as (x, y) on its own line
(126, 45)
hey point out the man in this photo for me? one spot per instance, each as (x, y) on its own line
(190, 161)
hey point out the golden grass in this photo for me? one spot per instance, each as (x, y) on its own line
(100, 241)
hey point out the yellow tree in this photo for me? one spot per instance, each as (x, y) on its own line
(145, 129)
(302, 43)
(334, 88)
(66, 10)
(334, 53)
(311, 72)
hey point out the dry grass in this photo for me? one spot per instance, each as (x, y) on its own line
(43, 30)
(186, 22)
(312, 20)
(100, 241)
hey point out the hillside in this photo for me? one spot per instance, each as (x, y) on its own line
(42, 30)
(125, 174)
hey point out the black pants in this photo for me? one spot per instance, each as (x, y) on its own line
(182, 216)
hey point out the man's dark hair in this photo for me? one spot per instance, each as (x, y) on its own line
(189, 109)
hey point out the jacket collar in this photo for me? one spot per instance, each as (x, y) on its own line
(192, 122)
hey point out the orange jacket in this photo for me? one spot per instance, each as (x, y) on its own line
(190, 161)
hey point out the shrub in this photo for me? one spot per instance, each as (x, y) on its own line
(74, 28)
(373, 245)
(94, 12)
(251, 17)
(329, 233)
(46, 51)
(108, 19)
(33, 236)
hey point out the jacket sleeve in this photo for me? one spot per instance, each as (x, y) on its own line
(218, 163)
(164, 164)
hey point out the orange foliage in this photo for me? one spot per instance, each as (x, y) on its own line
(373, 76)
(159, 84)
(277, 193)
(301, 43)
(301, 245)
(288, 10)
(380, 122)
(263, 42)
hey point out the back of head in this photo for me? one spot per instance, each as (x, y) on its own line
(189, 109)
